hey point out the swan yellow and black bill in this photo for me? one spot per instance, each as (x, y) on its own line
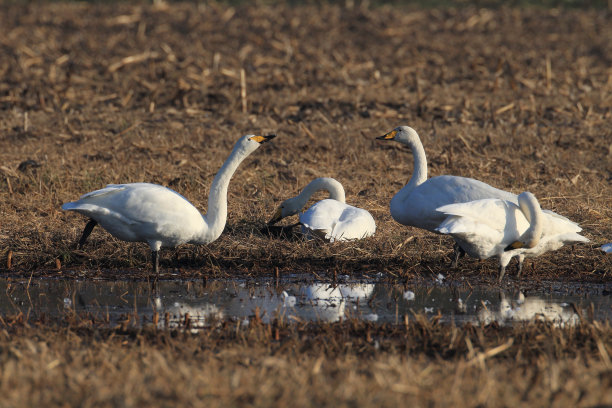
(276, 217)
(514, 245)
(388, 136)
(262, 139)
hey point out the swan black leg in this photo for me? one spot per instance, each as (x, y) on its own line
(458, 253)
(88, 228)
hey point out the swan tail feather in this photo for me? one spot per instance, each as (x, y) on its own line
(95, 211)
(571, 238)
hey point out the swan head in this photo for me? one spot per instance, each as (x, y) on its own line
(249, 143)
(402, 134)
(289, 207)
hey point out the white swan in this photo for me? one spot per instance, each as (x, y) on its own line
(494, 227)
(142, 212)
(331, 218)
(417, 202)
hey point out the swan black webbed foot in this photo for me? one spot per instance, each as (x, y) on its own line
(458, 252)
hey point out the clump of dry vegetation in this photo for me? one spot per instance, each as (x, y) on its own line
(79, 362)
(96, 94)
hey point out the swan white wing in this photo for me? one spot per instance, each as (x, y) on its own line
(95, 211)
(477, 239)
(322, 216)
(493, 213)
(354, 223)
(419, 207)
(464, 189)
(141, 212)
(338, 220)
(552, 242)
(109, 189)
(483, 228)
(554, 214)
(558, 224)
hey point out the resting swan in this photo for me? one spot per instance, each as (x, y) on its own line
(332, 218)
(494, 227)
(143, 212)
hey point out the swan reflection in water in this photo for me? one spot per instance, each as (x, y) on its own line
(531, 308)
(321, 302)
(325, 302)
(182, 315)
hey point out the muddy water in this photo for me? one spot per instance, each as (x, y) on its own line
(295, 300)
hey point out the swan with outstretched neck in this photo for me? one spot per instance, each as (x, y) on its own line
(494, 227)
(417, 202)
(331, 218)
(159, 216)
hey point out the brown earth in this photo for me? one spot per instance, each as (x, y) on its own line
(97, 94)
(422, 363)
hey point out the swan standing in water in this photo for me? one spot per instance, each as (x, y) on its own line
(417, 202)
(158, 216)
(331, 218)
(494, 227)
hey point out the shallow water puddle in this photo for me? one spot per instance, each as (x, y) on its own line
(177, 303)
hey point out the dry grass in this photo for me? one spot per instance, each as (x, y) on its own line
(422, 363)
(97, 94)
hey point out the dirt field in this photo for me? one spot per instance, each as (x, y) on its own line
(97, 94)
(345, 364)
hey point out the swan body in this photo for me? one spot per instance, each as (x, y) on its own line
(143, 212)
(417, 202)
(494, 227)
(331, 219)
(158, 216)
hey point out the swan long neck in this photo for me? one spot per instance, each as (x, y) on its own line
(216, 214)
(332, 186)
(531, 209)
(419, 173)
